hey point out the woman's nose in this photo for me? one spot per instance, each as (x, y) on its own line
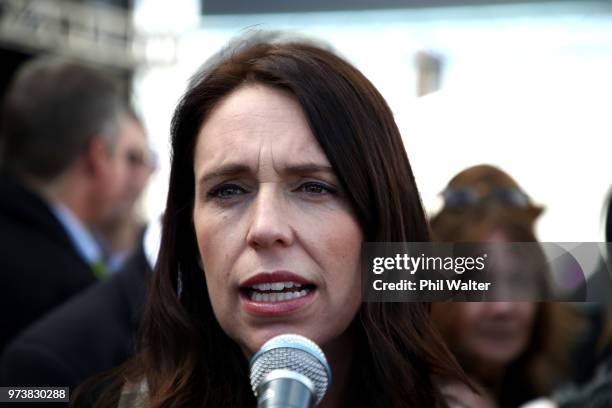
(497, 308)
(269, 224)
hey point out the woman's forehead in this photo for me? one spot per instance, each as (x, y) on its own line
(258, 125)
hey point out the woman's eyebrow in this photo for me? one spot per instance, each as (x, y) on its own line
(241, 169)
(224, 171)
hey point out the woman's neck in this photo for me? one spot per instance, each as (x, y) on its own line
(491, 376)
(339, 354)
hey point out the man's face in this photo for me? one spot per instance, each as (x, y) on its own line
(129, 168)
(134, 163)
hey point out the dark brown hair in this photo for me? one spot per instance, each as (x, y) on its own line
(185, 356)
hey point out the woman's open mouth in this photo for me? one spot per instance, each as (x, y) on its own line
(270, 294)
(278, 291)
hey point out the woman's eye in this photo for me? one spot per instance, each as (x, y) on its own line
(313, 188)
(226, 191)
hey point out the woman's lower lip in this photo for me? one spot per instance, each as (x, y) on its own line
(270, 309)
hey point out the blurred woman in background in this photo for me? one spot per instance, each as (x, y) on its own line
(516, 351)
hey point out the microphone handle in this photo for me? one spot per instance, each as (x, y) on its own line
(285, 392)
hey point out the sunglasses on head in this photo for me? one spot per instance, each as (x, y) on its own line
(468, 196)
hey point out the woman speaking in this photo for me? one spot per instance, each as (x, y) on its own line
(285, 160)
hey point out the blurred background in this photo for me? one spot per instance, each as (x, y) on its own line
(522, 85)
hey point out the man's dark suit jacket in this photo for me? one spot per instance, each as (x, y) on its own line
(39, 266)
(91, 333)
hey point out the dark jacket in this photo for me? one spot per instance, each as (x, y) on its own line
(39, 266)
(91, 333)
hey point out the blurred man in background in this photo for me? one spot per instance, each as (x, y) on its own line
(91, 333)
(120, 233)
(60, 173)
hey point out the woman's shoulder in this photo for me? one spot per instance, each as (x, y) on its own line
(134, 395)
(459, 395)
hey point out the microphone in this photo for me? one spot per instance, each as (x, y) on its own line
(540, 403)
(289, 371)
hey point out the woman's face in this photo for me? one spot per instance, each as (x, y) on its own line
(493, 334)
(278, 242)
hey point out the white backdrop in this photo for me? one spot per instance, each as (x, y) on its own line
(526, 88)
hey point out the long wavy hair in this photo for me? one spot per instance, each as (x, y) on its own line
(185, 357)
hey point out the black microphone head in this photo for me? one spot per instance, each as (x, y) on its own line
(294, 353)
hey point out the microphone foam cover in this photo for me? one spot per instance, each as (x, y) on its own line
(292, 352)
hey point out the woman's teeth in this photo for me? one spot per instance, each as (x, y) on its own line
(262, 292)
(277, 296)
(276, 286)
